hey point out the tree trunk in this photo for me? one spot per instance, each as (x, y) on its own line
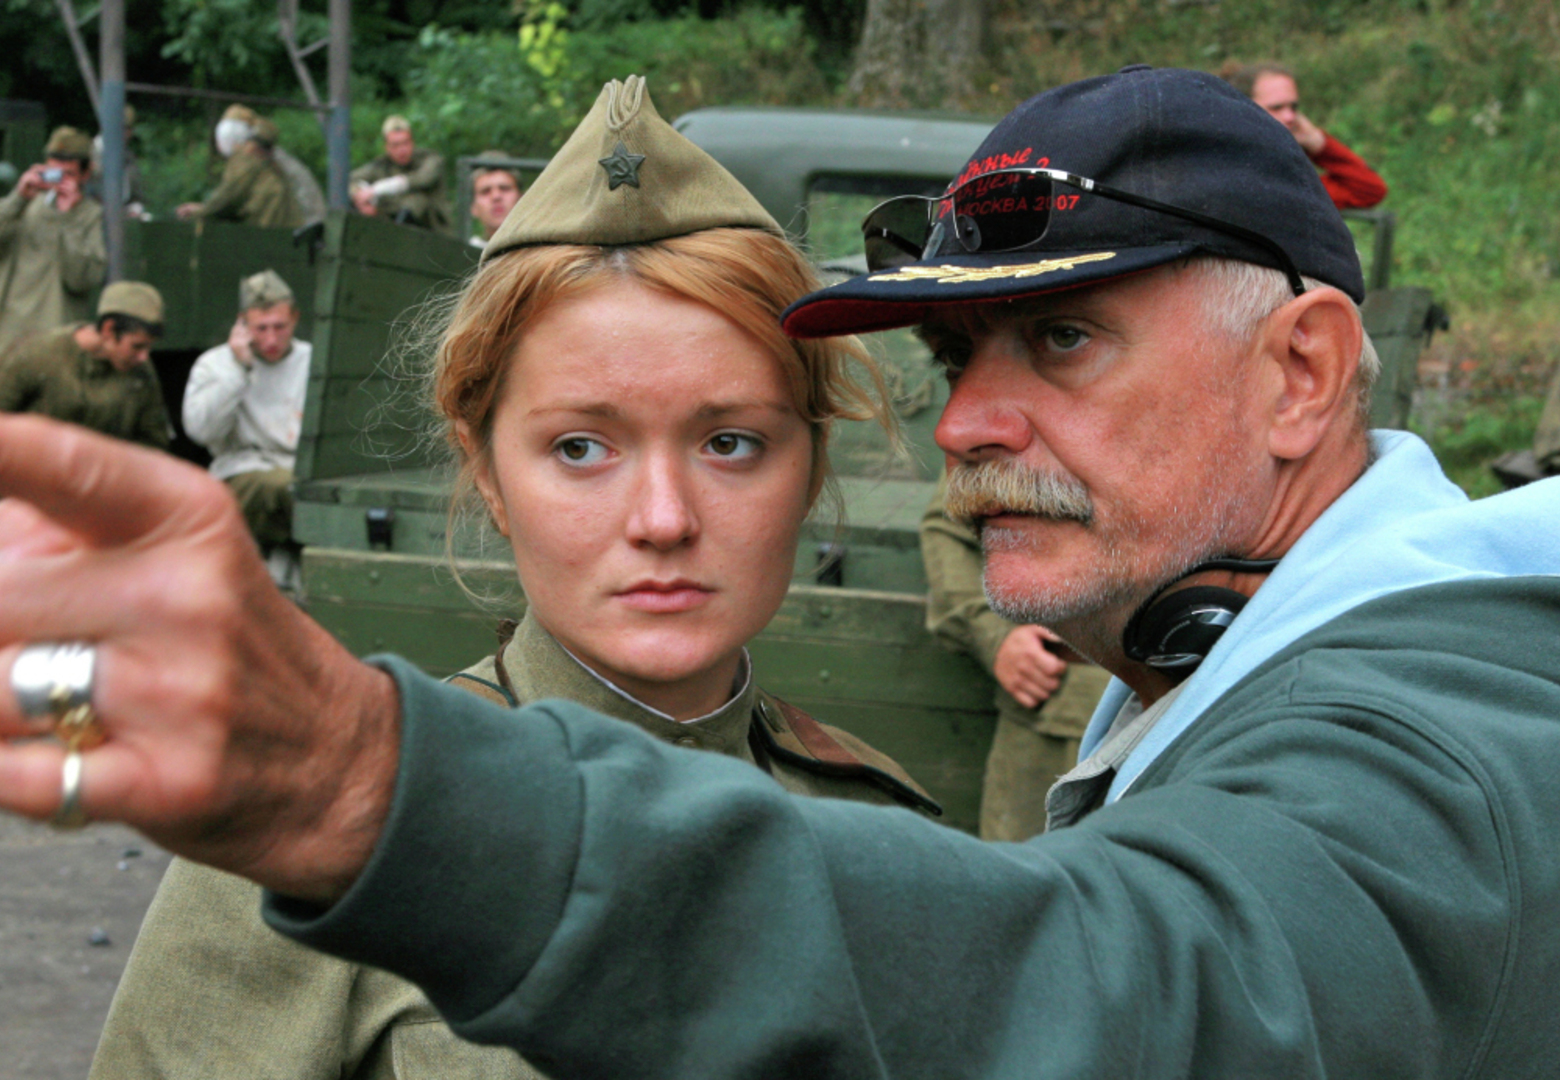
(919, 52)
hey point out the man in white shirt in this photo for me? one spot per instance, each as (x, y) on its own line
(244, 403)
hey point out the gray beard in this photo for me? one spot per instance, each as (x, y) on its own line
(1085, 602)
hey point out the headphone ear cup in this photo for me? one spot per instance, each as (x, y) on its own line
(1176, 631)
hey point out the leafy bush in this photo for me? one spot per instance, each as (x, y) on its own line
(476, 91)
(1467, 438)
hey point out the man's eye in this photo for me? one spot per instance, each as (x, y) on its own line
(1065, 338)
(952, 359)
(734, 445)
(580, 451)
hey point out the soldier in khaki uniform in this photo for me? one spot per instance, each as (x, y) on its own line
(405, 183)
(1037, 738)
(253, 189)
(96, 375)
(653, 524)
(51, 243)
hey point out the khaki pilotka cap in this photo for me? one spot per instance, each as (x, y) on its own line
(263, 290)
(133, 298)
(626, 177)
(263, 131)
(68, 144)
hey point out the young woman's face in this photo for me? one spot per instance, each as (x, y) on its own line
(651, 471)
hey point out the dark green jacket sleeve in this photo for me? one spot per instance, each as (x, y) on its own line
(427, 175)
(1318, 881)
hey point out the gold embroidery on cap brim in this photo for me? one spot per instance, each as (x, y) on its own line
(961, 275)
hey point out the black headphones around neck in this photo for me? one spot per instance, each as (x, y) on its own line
(1174, 633)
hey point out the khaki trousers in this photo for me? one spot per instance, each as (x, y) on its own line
(265, 497)
(1022, 766)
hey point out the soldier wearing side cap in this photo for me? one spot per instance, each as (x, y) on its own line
(633, 226)
(244, 403)
(253, 189)
(51, 243)
(97, 374)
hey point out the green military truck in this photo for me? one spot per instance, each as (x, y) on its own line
(849, 645)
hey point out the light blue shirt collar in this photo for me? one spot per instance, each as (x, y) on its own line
(1402, 525)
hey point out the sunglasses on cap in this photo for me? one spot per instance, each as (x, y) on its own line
(1008, 210)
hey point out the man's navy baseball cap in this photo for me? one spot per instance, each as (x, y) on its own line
(1183, 139)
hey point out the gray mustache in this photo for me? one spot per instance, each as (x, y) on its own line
(1007, 486)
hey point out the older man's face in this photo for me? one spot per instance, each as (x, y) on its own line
(1139, 421)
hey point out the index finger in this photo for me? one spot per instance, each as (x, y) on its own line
(107, 491)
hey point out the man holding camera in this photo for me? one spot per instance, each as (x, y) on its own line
(51, 243)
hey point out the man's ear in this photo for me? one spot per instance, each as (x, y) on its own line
(482, 474)
(1314, 341)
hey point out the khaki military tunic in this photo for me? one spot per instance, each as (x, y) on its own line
(1032, 747)
(49, 264)
(211, 992)
(53, 376)
(424, 202)
(253, 191)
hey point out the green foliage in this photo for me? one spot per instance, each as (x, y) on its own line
(1467, 438)
(225, 42)
(525, 92)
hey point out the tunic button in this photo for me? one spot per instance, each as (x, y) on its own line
(689, 741)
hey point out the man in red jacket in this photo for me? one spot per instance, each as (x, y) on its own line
(1352, 184)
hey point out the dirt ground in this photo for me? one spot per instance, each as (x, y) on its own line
(60, 892)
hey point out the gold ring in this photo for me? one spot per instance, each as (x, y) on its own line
(70, 815)
(78, 727)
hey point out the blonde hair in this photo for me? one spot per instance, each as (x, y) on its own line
(747, 275)
(395, 123)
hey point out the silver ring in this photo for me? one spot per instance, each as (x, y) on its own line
(70, 815)
(51, 679)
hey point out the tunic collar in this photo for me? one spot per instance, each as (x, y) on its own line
(537, 667)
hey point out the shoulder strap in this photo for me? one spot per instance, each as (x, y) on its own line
(499, 692)
(490, 691)
(811, 746)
